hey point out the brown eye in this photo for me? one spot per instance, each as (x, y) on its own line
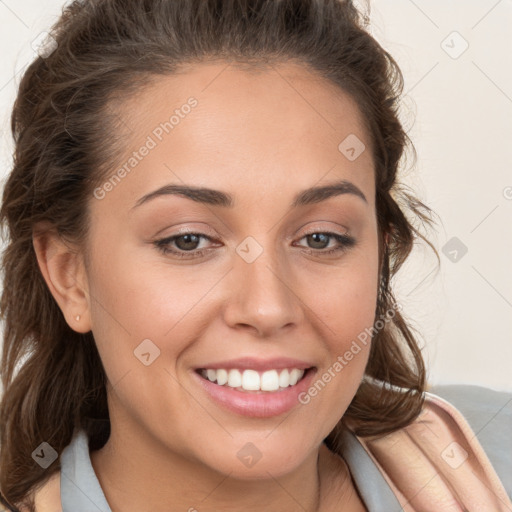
(319, 240)
(187, 242)
(318, 243)
(185, 245)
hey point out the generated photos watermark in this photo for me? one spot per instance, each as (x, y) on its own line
(157, 135)
(363, 338)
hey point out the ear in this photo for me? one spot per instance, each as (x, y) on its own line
(64, 272)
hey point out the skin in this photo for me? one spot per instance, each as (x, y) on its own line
(261, 136)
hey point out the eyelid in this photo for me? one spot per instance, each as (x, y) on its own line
(184, 230)
(322, 229)
(210, 233)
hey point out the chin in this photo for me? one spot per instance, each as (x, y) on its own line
(258, 459)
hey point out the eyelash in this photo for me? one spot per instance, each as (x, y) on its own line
(346, 242)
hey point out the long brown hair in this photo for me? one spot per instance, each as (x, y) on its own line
(63, 125)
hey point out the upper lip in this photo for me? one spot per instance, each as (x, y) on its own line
(253, 363)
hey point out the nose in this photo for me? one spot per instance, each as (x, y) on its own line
(262, 298)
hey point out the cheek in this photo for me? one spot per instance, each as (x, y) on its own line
(346, 309)
(345, 303)
(135, 298)
(345, 297)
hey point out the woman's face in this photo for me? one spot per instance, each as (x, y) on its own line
(251, 280)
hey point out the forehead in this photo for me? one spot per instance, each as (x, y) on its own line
(254, 130)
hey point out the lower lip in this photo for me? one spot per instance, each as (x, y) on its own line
(257, 405)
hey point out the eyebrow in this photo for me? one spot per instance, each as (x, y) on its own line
(213, 197)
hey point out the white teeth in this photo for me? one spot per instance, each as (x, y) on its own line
(234, 379)
(295, 375)
(222, 377)
(284, 379)
(270, 381)
(251, 380)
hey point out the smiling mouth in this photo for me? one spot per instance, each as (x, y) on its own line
(252, 381)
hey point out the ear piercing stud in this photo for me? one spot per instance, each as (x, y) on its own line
(77, 317)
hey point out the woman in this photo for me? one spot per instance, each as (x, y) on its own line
(204, 217)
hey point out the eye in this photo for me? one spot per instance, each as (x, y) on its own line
(320, 241)
(186, 243)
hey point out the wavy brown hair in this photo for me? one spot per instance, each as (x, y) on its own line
(63, 123)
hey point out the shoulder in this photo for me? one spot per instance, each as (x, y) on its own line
(489, 414)
(439, 458)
